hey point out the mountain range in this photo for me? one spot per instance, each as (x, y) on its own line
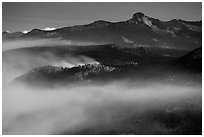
(140, 30)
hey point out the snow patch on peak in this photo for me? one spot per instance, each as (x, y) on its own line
(49, 29)
(147, 21)
(8, 31)
(45, 29)
(25, 31)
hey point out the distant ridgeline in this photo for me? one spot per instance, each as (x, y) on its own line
(137, 31)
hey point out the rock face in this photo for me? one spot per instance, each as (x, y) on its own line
(140, 30)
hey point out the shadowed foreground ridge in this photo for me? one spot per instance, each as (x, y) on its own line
(118, 66)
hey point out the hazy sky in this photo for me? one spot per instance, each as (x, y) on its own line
(26, 16)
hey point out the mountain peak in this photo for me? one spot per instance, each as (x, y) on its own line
(101, 22)
(5, 32)
(138, 15)
(36, 30)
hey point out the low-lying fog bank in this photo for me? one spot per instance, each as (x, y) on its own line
(15, 44)
(107, 109)
(17, 64)
(171, 104)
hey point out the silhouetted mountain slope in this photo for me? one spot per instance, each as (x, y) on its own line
(15, 35)
(105, 54)
(140, 30)
(164, 70)
(51, 75)
(192, 61)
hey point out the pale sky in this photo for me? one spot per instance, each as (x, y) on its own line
(26, 16)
